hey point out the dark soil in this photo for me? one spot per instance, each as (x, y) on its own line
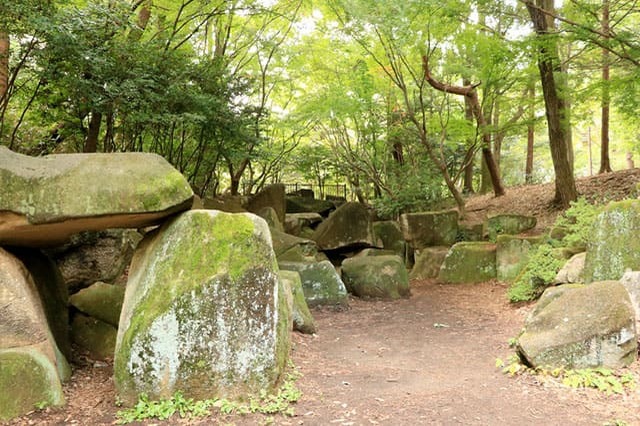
(428, 359)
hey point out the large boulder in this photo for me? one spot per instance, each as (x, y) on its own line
(52, 290)
(31, 365)
(510, 224)
(582, 327)
(389, 236)
(376, 277)
(349, 227)
(469, 262)
(204, 311)
(101, 301)
(321, 283)
(512, 255)
(428, 262)
(614, 245)
(271, 196)
(428, 229)
(302, 318)
(47, 199)
(94, 256)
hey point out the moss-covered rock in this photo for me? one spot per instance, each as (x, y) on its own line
(95, 336)
(584, 327)
(427, 229)
(389, 236)
(469, 262)
(349, 227)
(614, 245)
(23, 319)
(47, 199)
(376, 277)
(321, 283)
(30, 360)
(470, 232)
(302, 318)
(512, 255)
(428, 262)
(510, 224)
(203, 311)
(28, 380)
(291, 248)
(102, 301)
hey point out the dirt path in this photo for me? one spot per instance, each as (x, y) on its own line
(431, 360)
(426, 360)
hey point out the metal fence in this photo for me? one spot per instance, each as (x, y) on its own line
(319, 191)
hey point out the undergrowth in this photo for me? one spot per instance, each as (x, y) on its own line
(545, 261)
(602, 379)
(539, 272)
(279, 403)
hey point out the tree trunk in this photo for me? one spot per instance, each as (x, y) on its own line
(528, 168)
(554, 99)
(605, 164)
(91, 143)
(471, 93)
(469, 156)
(4, 65)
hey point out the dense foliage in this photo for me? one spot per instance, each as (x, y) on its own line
(238, 94)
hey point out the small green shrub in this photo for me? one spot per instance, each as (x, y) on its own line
(578, 221)
(540, 271)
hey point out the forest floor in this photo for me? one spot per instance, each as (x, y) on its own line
(428, 359)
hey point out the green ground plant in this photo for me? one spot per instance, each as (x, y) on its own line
(185, 408)
(602, 379)
(577, 221)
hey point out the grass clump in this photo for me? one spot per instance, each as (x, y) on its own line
(265, 403)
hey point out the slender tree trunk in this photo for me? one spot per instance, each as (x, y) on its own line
(554, 98)
(528, 169)
(4, 65)
(471, 93)
(605, 164)
(469, 156)
(91, 142)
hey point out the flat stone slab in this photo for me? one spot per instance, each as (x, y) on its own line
(45, 200)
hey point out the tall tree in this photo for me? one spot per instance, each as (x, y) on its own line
(555, 98)
(605, 164)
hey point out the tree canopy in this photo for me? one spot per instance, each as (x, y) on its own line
(408, 103)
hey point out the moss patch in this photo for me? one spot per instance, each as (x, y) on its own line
(28, 381)
(469, 262)
(614, 244)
